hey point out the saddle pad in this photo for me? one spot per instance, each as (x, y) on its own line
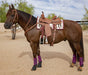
(58, 26)
(38, 25)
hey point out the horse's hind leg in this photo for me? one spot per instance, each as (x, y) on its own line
(34, 50)
(39, 57)
(74, 54)
(80, 53)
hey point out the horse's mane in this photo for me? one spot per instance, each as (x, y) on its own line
(26, 16)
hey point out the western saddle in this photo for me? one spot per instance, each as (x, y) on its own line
(45, 22)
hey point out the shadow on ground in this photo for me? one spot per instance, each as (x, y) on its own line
(49, 55)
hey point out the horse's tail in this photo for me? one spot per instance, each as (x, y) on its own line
(82, 48)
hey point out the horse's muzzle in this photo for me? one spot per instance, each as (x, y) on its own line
(7, 26)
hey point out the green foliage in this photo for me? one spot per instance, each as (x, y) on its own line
(3, 10)
(86, 14)
(22, 5)
(84, 27)
(60, 17)
(19, 4)
(50, 16)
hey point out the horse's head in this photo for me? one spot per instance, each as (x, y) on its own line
(11, 17)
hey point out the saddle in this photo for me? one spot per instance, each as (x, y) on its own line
(45, 27)
(44, 21)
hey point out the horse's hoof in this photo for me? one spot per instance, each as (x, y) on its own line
(80, 69)
(41, 42)
(72, 65)
(39, 64)
(34, 68)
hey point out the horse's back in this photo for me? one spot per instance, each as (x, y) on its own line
(72, 30)
(72, 24)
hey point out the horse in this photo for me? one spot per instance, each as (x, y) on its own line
(72, 32)
(13, 30)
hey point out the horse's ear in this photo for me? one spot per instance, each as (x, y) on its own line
(42, 12)
(12, 6)
(9, 7)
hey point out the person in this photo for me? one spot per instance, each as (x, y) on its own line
(13, 30)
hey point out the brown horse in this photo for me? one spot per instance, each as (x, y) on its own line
(71, 32)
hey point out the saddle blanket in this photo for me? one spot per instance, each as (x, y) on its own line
(58, 26)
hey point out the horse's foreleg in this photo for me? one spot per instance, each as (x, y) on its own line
(39, 56)
(79, 52)
(74, 54)
(34, 50)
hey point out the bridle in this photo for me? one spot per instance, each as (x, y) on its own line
(25, 28)
(16, 16)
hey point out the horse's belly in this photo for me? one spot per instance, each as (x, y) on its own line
(59, 36)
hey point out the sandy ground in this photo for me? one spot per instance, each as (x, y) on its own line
(16, 56)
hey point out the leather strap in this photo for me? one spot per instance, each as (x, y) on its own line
(28, 23)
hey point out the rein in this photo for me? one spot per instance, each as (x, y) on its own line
(28, 22)
(26, 30)
(30, 28)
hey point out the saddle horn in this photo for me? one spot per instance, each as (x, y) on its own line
(42, 15)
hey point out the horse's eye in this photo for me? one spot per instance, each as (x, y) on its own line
(12, 15)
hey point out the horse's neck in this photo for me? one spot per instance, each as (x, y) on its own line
(22, 21)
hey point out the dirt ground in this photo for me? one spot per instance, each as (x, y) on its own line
(16, 56)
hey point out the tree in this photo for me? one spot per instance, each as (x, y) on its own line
(50, 16)
(3, 10)
(22, 5)
(60, 17)
(86, 14)
(19, 4)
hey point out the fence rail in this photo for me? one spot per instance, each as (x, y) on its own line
(83, 22)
